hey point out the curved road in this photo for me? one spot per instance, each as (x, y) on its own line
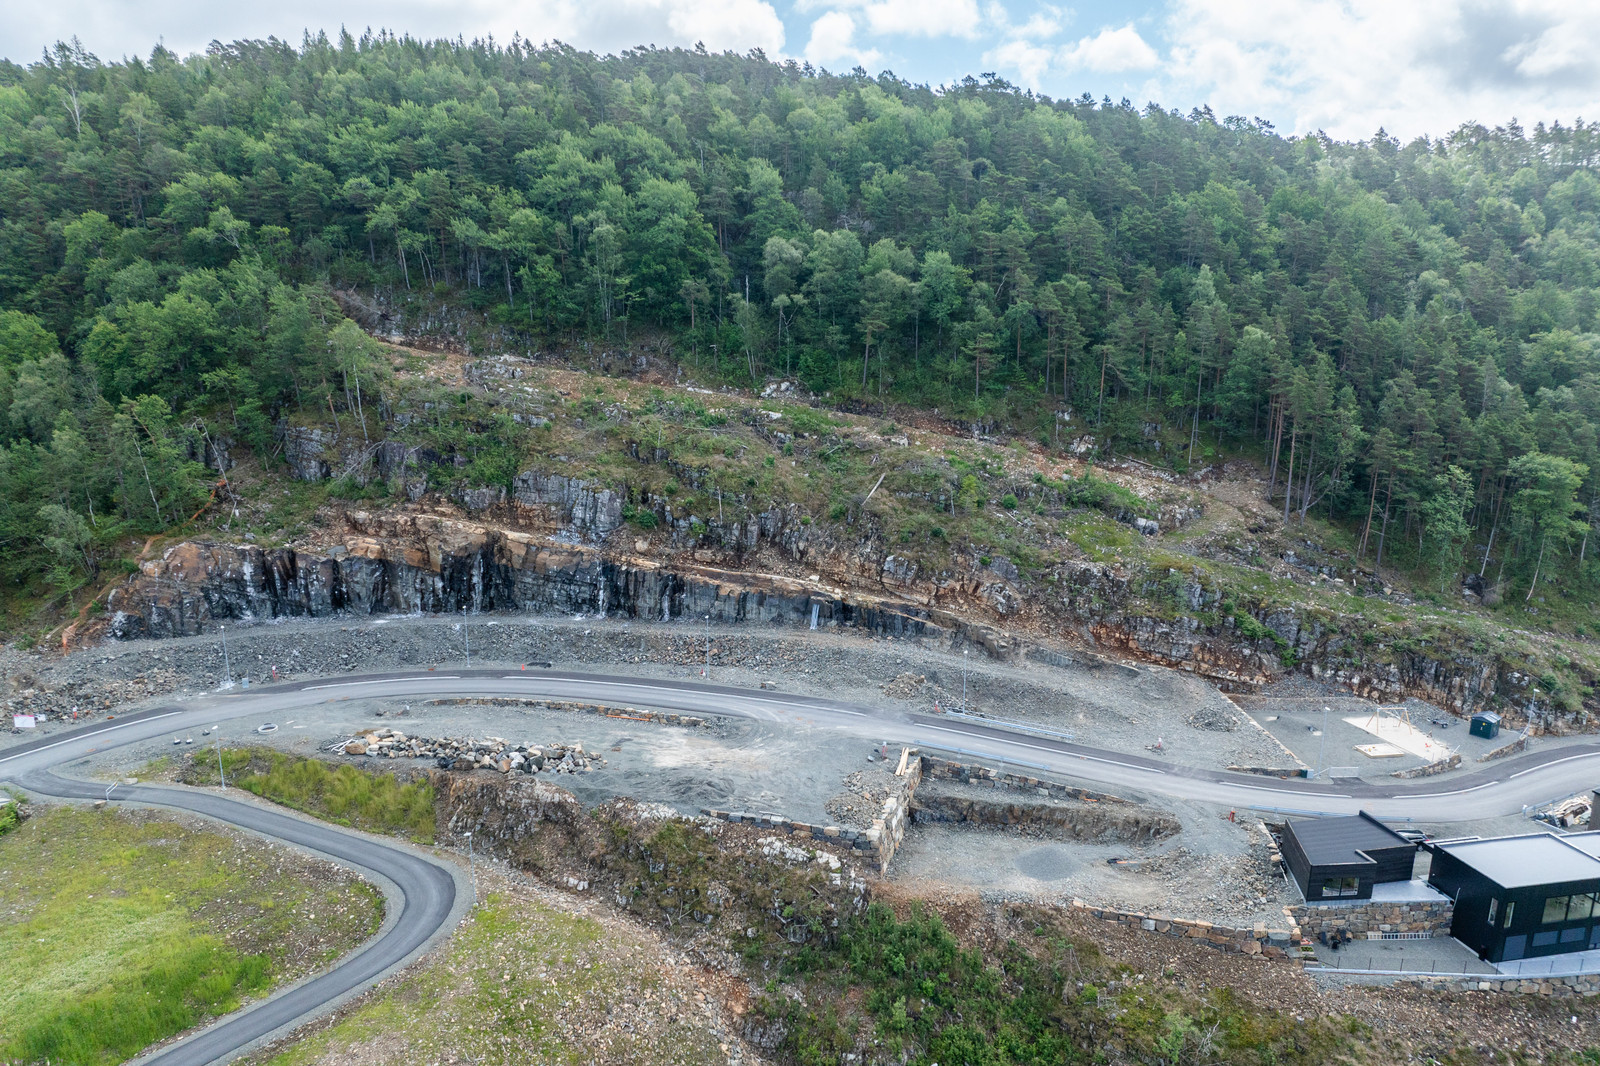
(428, 889)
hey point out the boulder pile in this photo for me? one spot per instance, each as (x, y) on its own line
(490, 753)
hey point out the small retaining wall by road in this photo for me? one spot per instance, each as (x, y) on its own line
(1520, 744)
(1441, 767)
(1257, 940)
(1284, 772)
(1373, 918)
(1559, 987)
(661, 717)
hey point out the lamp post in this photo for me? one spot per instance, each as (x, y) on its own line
(473, 863)
(227, 668)
(466, 633)
(1322, 749)
(708, 648)
(221, 774)
(964, 653)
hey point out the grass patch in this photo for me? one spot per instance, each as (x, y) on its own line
(340, 794)
(125, 928)
(518, 979)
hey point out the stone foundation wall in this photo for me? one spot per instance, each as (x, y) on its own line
(1105, 823)
(1372, 918)
(987, 777)
(1257, 940)
(881, 841)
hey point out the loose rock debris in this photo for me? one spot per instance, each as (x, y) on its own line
(490, 753)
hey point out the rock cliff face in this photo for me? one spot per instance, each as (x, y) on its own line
(555, 544)
(405, 564)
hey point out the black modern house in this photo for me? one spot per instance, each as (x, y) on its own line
(1342, 858)
(1523, 896)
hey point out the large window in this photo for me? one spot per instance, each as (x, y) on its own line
(1338, 887)
(1494, 910)
(1577, 908)
(1511, 908)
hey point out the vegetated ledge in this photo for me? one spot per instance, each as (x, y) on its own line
(403, 562)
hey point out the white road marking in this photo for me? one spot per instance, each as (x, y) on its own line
(87, 736)
(385, 681)
(1436, 795)
(1556, 762)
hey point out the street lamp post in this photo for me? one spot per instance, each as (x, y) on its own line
(708, 648)
(221, 774)
(227, 668)
(466, 633)
(1322, 749)
(964, 654)
(473, 863)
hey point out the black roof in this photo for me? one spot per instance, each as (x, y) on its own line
(1487, 716)
(1334, 841)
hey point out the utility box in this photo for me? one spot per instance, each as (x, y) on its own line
(1485, 724)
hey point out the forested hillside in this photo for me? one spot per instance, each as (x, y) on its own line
(1403, 335)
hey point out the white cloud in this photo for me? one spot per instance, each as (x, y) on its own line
(833, 42)
(924, 18)
(1111, 51)
(114, 28)
(1027, 62)
(1413, 67)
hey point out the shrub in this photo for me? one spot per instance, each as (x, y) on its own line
(1009, 502)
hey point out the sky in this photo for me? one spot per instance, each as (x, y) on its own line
(1347, 67)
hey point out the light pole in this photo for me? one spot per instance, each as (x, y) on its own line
(1322, 749)
(227, 668)
(466, 633)
(964, 653)
(473, 863)
(221, 774)
(708, 648)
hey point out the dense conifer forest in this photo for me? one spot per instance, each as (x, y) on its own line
(1403, 335)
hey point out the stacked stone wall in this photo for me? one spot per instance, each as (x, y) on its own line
(1257, 940)
(1373, 918)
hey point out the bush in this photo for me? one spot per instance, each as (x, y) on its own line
(1009, 502)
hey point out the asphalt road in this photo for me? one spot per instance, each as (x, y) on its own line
(429, 890)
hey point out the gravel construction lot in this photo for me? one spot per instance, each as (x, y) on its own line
(1212, 869)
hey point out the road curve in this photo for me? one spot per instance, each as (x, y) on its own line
(425, 888)
(429, 890)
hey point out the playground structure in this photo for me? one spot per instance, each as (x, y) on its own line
(1393, 726)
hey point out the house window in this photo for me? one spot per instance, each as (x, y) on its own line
(1581, 908)
(1337, 887)
(1544, 940)
(1555, 910)
(1494, 910)
(1511, 908)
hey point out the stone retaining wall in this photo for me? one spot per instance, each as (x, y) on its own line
(1257, 940)
(1372, 918)
(1520, 744)
(881, 841)
(987, 777)
(1443, 766)
(1105, 823)
(1582, 985)
(1284, 772)
(661, 717)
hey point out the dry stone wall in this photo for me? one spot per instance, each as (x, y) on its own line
(1257, 940)
(1373, 918)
